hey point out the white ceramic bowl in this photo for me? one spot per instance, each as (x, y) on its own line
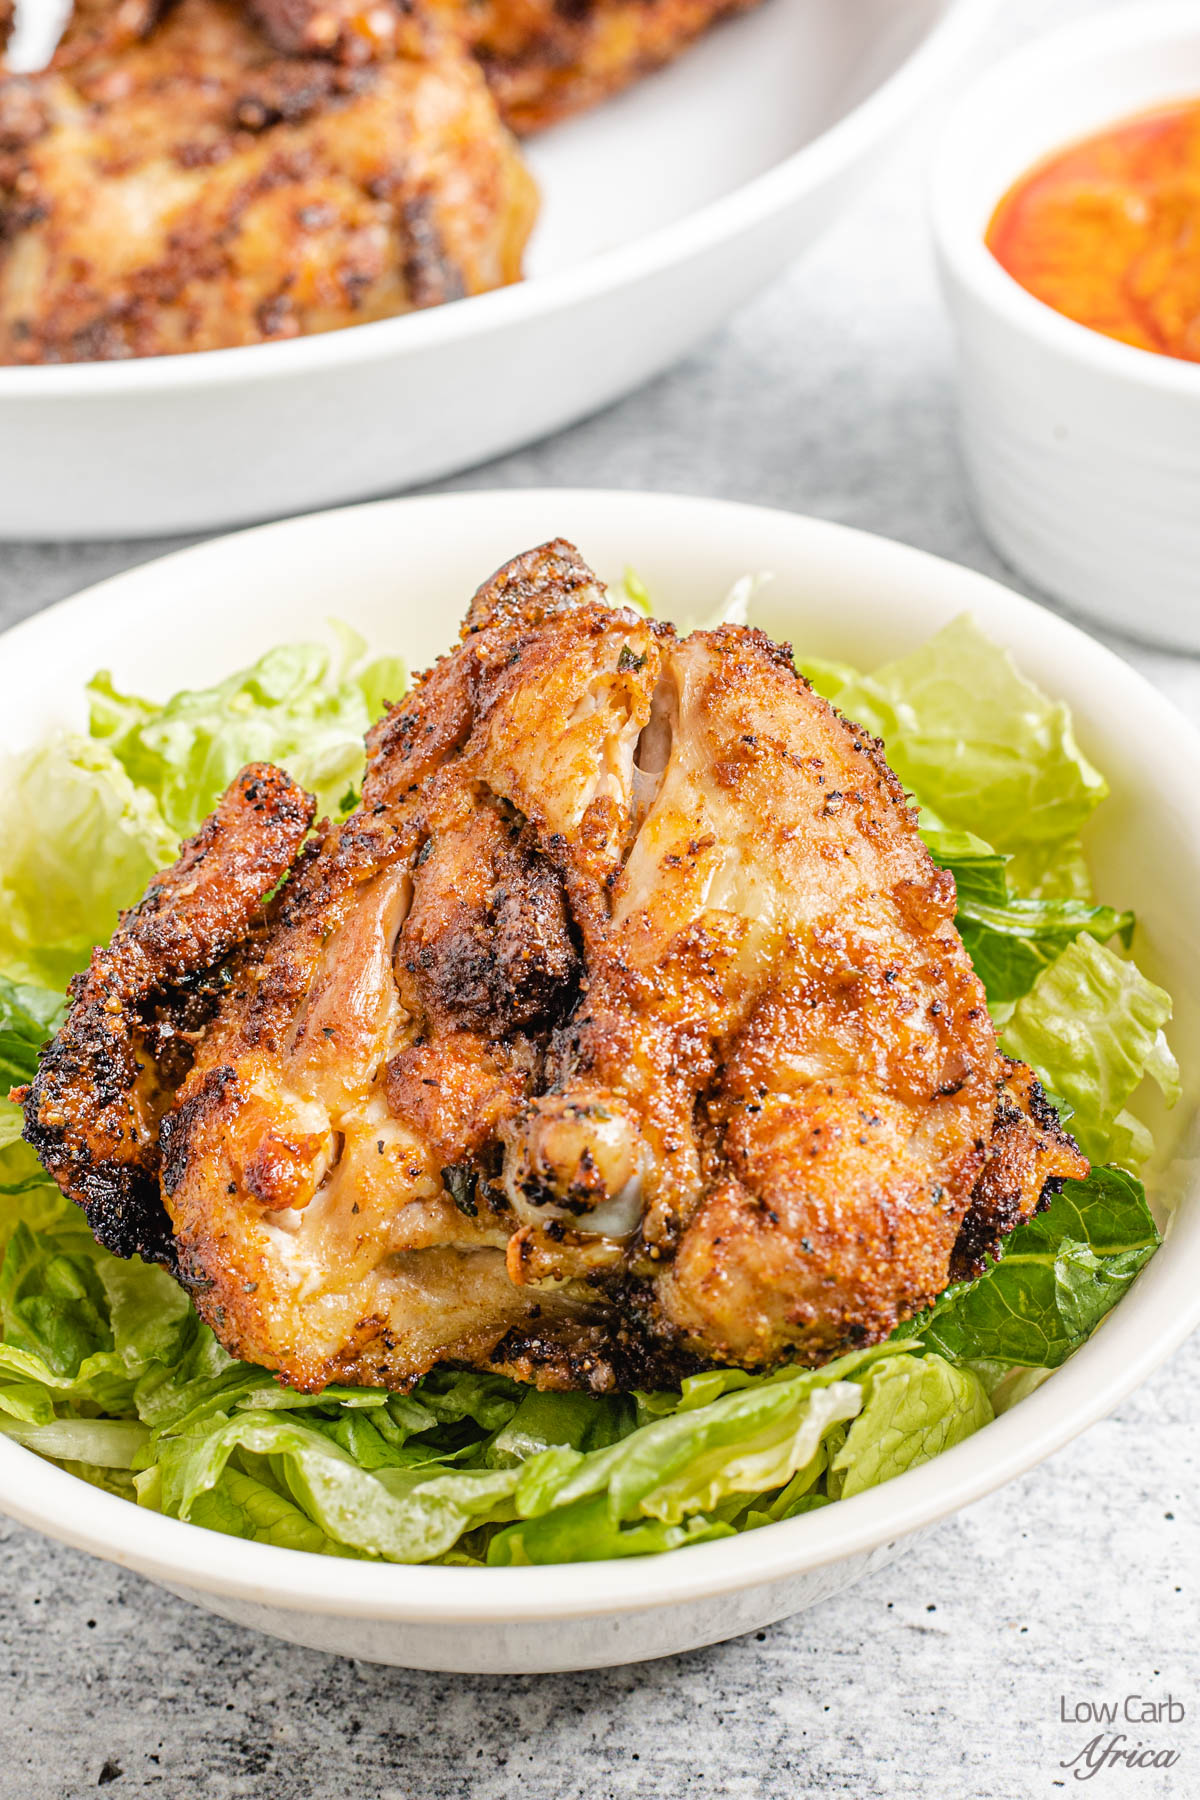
(1084, 453)
(663, 211)
(401, 572)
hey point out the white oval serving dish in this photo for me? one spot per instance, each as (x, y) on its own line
(663, 211)
(1083, 453)
(401, 572)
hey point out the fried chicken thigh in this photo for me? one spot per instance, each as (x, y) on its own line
(201, 174)
(543, 59)
(173, 183)
(623, 1029)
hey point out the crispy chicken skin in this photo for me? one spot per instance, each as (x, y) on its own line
(104, 1081)
(544, 59)
(623, 1029)
(96, 28)
(350, 31)
(181, 186)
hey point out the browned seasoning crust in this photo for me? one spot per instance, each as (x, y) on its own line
(1028, 1158)
(543, 59)
(96, 28)
(184, 187)
(623, 1029)
(350, 31)
(92, 1112)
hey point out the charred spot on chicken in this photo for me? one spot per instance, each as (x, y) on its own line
(623, 1029)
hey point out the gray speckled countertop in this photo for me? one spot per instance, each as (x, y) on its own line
(940, 1678)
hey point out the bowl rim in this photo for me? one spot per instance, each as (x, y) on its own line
(814, 165)
(1161, 1310)
(1074, 48)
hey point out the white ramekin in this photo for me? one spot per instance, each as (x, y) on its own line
(1084, 453)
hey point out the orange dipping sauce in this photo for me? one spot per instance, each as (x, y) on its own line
(1107, 231)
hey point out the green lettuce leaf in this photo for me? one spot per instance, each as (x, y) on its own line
(1011, 944)
(1009, 937)
(757, 1445)
(554, 1421)
(586, 1532)
(86, 821)
(1092, 1028)
(633, 592)
(52, 1298)
(412, 1507)
(1056, 871)
(296, 706)
(241, 1506)
(752, 1437)
(830, 678)
(914, 1408)
(976, 741)
(116, 1481)
(78, 841)
(455, 1395)
(1053, 1282)
(104, 1443)
(149, 1315)
(27, 1194)
(80, 1329)
(29, 1015)
(406, 1514)
(1007, 1384)
(980, 873)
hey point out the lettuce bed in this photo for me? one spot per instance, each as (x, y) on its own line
(105, 1368)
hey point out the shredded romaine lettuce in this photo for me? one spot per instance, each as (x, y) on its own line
(121, 797)
(1093, 1028)
(1011, 938)
(976, 741)
(914, 1408)
(28, 1016)
(296, 706)
(78, 840)
(105, 1367)
(1054, 1279)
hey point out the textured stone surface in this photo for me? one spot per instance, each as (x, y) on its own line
(940, 1678)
